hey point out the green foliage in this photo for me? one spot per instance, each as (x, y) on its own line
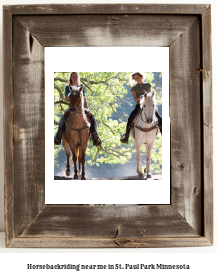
(156, 155)
(105, 92)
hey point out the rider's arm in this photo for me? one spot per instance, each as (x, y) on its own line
(67, 98)
(135, 96)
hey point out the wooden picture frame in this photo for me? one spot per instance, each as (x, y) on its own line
(186, 30)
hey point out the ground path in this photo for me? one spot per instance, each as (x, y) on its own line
(154, 177)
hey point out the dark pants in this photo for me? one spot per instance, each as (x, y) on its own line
(159, 118)
(135, 111)
(93, 124)
(133, 114)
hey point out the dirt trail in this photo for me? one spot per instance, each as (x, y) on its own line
(154, 177)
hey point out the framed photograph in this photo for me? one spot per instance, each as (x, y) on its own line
(107, 89)
(171, 40)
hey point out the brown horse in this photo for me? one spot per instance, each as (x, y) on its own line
(76, 133)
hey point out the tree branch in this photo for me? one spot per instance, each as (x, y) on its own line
(60, 102)
(108, 127)
(94, 82)
(112, 153)
(60, 79)
(94, 160)
(59, 91)
(87, 86)
(115, 112)
(119, 153)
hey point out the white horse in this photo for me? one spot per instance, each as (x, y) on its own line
(145, 130)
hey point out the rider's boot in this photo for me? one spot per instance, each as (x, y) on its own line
(125, 137)
(58, 137)
(95, 137)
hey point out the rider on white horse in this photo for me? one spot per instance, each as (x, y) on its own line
(138, 92)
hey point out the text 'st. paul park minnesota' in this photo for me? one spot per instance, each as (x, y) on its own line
(108, 125)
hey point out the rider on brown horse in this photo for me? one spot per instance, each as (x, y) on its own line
(74, 79)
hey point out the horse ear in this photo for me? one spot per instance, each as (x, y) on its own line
(80, 89)
(152, 93)
(145, 94)
(71, 87)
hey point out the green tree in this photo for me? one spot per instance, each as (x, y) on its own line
(105, 93)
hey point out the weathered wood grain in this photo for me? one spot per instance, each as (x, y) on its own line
(109, 222)
(208, 183)
(68, 242)
(188, 222)
(106, 9)
(28, 100)
(8, 126)
(185, 113)
(207, 118)
(107, 30)
(207, 67)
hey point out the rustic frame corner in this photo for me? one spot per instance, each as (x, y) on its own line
(188, 220)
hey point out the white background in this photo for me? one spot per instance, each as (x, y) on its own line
(202, 259)
(88, 59)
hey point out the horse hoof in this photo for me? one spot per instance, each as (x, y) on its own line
(75, 177)
(141, 175)
(83, 178)
(67, 173)
(149, 176)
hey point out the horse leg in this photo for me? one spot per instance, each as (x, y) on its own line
(75, 158)
(79, 159)
(82, 163)
(79, 168)
(138, 156)
(145, 145)
(66, 147)
(148, 157)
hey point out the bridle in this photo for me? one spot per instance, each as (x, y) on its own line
(145, 121)
(73, 112)
(142, 118)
